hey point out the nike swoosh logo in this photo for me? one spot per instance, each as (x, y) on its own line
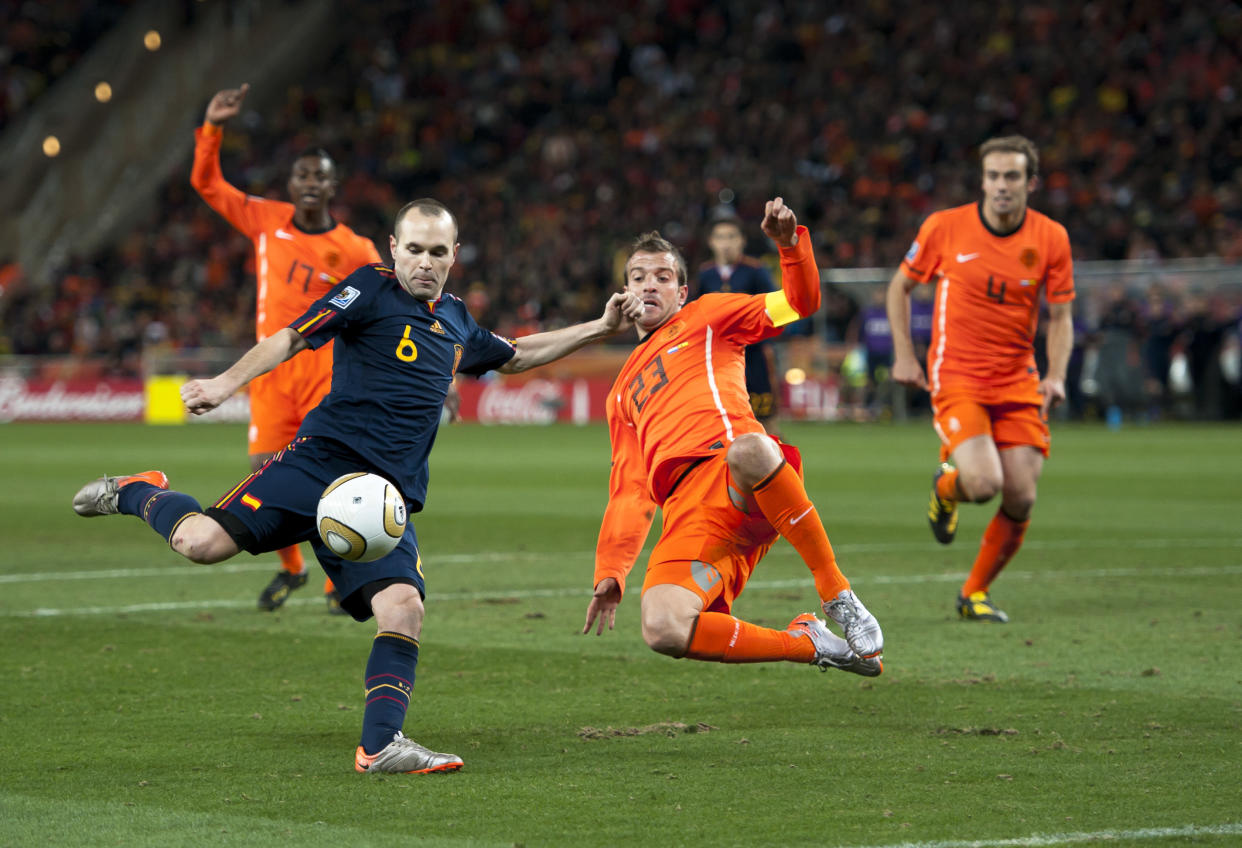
(807, 512)
(282, 234)
(966, 257)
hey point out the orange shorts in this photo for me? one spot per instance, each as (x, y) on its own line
(713, 536)
(282, 397)
(1010, 423)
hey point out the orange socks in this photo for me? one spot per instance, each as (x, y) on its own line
(784, 501)
(292, 562)
(719, 637)
(291, 559)
(1000, 542)
(946, 486)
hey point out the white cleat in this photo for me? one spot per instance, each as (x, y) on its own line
(404, 756)
(831, 651)
(861, 629)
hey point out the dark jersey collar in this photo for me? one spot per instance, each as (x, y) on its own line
(998, 233)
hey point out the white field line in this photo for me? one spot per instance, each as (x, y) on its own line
(1040, 840)
(588, 556)
(507, 595)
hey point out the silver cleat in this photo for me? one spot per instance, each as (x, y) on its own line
(831, 651)
(861, 629)
(404, 756)
(99, 497)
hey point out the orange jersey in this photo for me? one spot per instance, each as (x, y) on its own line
(293, 268)
(987, 301)
(681, 396)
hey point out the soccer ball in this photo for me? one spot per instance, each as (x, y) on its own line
(361, 516)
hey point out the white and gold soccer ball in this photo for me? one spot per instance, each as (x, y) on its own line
(361, 516)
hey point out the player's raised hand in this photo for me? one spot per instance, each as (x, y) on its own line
(603, 606)
(621, 311)
(225, 104)
(780, 223)
(201, 396)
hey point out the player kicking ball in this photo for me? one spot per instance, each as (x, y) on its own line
(685, 440)
(399, 339)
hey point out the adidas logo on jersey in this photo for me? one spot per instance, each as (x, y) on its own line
(436, 328)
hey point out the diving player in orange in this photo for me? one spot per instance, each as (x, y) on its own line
(300, 253)
(685, 439)
(990, 261)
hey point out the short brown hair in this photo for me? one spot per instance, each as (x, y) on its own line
(428, 206)
(1013, 144)
(653, 242)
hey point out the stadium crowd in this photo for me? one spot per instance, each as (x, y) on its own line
(557, 131)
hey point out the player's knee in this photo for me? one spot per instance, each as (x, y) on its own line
(980, 488)
(398, 608)
(202, 540)
(1018, 503)
(752, 457)
(665, 634)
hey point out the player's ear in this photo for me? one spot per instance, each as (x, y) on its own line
(392, 246)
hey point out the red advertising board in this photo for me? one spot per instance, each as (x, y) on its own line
(70, 400)
(495, 400)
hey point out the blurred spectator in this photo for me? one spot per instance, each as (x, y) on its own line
(1118, 373)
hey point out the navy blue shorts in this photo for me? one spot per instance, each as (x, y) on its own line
(275, 507)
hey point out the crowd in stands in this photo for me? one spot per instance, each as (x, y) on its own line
(40, 40)
(557, 131)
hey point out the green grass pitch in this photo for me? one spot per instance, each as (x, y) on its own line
(145, 701)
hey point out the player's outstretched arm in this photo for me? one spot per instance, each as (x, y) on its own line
(541, 348)
(201, 396)
(205, 174)
(906, 367)
(603, 607)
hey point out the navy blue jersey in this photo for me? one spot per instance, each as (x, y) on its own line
(393, 360)
(748, 277)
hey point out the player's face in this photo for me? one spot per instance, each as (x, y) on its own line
(312, 183)
(726, 243)
(1005, 184)
(653, 278)
(423, 251)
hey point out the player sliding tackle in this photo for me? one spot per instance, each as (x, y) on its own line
(684, 439)
(399, 341)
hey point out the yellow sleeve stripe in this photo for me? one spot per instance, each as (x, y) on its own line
(779, 310)
(302, 329)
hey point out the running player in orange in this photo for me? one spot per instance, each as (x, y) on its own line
(685, 439)
(990, 261)
(300, 253)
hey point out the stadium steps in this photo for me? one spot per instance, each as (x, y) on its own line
(115, 156)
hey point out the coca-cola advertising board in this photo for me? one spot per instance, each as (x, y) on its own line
(536, 401)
